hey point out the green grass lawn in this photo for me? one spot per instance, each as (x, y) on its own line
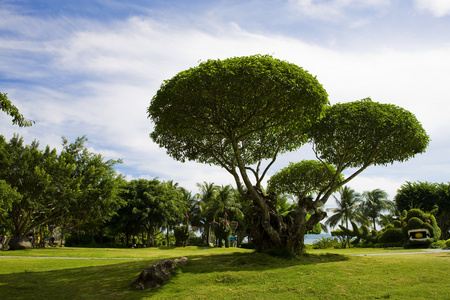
(213, 273)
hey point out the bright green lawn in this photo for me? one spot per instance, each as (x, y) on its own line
(225, 274)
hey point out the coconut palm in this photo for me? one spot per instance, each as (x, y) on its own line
(225, 202)
(346, 210)
(207, 194)
(373, 204)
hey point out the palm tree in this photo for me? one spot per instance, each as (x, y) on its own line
(224, 207)
(226, 201)
(374, 203)
(346, 210)
(208, 192)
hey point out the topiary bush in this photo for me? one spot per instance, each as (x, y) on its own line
(416, 220)
(392, 235)
(437, 245)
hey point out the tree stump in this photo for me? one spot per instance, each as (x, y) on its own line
(155, 275)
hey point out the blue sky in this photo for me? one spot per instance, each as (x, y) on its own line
(91, 68)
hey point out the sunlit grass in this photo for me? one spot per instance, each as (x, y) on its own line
(225, 274)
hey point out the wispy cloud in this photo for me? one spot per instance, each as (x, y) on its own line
(336, 10)
(79, 75)
(439, 8)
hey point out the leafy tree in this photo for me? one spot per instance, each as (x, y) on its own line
(241, 113)
(374, 202)
(151, 204)
(29, 200)
(346, 210)
(54, 189)
(7, 107)
(97, 185)
(237, 113)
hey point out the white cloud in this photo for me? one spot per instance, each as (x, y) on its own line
(439, 8)
(111, 72)
(335, 10)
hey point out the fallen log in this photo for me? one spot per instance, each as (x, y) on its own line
(155, 275)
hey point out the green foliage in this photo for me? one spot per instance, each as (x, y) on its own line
(397, 224)
(302, 179)
(182, 235)
(358, 235)
(415, 223)
(374, 202)
(346, 207)
(26, 174)
(70, 189)
(248, 107)
(438, 244)
(97, 185)
(360, 133)
(223, 230)
(417, 219)
(197, 241)
(392, 235)
(150, 204)
(7, 107)
(447, 243)
(242, 112)
(432, 197)
(325, 243)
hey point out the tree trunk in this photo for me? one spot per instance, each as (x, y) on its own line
(167, 236)
(208, 236)
(271, 230)
(150, 237)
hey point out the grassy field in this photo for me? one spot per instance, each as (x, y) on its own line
(212, 273)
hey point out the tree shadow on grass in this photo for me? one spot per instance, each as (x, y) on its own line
(95, 282)
(253, 261)
(112, 281)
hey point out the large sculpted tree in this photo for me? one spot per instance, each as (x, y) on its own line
(240, 114)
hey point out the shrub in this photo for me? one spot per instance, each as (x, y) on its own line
(181, 234)
(325, 243)
(448, 243)
(392, 235)
(438, 244)
(397, 224)
(197, 241)
(414, 213)
(388, 245)
(415, 223)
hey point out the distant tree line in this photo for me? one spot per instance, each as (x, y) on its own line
(79, 194)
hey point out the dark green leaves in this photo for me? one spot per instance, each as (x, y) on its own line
(252, 107)
(7, 107)
(363, 133)
(302, 179)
